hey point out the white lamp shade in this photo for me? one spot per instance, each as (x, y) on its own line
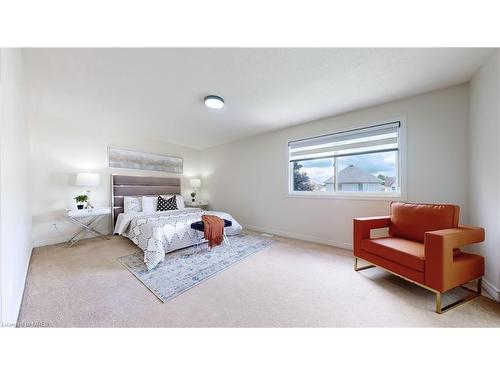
(87, 179)
(195, 182)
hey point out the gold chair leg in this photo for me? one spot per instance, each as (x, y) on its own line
(438, 303)
(356, 268)
(474, 294)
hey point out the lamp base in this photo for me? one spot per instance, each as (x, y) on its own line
(88, 204)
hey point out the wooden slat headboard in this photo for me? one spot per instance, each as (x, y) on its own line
(129, 186)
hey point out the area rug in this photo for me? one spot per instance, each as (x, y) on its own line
(183, 269)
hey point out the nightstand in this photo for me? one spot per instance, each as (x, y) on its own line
(88, 220)
(197, 204)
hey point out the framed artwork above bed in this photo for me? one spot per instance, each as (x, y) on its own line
(129, 159)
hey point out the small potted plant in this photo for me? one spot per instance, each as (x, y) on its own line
(193, 196)
(80, 200)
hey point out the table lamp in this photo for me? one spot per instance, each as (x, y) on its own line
(194, 183)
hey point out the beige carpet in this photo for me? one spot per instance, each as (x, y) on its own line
(288, 284)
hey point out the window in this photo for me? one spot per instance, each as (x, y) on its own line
(363, 161)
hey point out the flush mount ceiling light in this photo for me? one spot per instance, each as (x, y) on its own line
(214, 102)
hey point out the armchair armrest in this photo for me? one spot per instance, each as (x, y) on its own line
(439, 247)
(362, 227)
(374, 222)
(455, 237)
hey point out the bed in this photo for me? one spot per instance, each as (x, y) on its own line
(157, 233)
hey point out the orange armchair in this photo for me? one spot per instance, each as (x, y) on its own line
(422, 247)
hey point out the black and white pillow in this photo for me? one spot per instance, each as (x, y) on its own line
(166, 204)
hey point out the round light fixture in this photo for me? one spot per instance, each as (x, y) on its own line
(214, 102)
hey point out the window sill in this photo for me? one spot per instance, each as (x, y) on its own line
(350, 196)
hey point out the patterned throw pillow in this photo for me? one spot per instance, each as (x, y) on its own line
(166, 204)
(132, 204)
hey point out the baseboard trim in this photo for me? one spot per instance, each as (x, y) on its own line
(48, 241)
(25, 282)
(296, 236)
(492, 290)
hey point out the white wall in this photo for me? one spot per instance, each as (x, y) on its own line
(484, 142)
(248, 177)
(15, 215)
(61, 147)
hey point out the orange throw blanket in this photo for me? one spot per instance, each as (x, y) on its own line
(214, 229)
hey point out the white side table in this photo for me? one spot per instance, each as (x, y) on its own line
(196, 204)
(88, 219)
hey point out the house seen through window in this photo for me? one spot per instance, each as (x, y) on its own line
(364, 160)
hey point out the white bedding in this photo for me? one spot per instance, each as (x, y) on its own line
(162, 232)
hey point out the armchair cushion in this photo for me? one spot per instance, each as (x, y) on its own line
(411, 220)
(399, 250)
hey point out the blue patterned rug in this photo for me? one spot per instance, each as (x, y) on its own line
(182, 269)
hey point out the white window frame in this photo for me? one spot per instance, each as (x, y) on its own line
(385, 196)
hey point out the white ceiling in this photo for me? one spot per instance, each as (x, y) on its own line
(161, 91)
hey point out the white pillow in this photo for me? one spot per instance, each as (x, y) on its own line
(179, 201)
(132, 204)
(149, 204)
